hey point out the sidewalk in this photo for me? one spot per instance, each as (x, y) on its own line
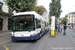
(59, 42)
(5, 36)
(3, 33)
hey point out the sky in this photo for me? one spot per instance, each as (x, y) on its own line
(67, 6)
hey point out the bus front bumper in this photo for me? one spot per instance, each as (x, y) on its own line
(24, 38)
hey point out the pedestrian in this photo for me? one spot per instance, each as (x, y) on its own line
(60, 28)
(57, 27)
(65, 29)
(69, 27)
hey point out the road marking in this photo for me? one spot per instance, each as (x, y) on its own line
(9, 45)
(13, 44)
(5, 47)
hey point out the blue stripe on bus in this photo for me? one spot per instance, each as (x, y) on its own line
(28, 38)
(43, 32)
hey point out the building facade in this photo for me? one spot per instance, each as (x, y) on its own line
(4, 16)
(71, 19)
(4, 7)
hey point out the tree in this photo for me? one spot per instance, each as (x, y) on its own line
(58, 6)
(21, 5)
(64, 21)
(55, 8)
(39, 9)
(50, 20)
(52, 8)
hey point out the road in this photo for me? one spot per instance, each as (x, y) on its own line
(71, 34)
(5, 37)
(59, 42)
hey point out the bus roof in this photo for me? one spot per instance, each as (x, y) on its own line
(31, 12)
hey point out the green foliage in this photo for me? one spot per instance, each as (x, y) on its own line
(55, 8)
(21, 5)
(39, 9)
(64, 21)
(58, 6)
(52, 8)
(50, 20)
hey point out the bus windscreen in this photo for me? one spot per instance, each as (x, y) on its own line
(23, 23)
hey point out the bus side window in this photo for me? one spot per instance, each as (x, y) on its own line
(45, 24)
(38, 24)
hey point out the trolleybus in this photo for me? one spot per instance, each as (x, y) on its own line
(28, 26)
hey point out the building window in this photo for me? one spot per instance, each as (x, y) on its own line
(72, 20)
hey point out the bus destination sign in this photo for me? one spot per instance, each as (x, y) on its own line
(26, 17)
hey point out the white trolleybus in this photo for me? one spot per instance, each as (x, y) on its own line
(28, 26)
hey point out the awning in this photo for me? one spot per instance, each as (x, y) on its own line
(70, 23)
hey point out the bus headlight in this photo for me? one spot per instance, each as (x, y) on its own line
(12, 34)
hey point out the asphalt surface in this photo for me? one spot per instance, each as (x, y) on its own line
(59, 42)
(71, 34)
(5, 37)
